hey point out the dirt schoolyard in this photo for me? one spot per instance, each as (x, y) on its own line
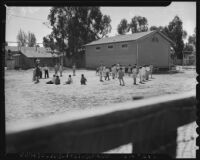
(26, 100)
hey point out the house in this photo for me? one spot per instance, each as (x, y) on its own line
(24, 57)
(150, 47)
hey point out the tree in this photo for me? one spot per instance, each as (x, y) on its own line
(123, 27)
(77, 26)
(48, 42)
(138, 24)
(188, 48)
(176, 33)
(192, 39)
(21, 38)
(31, 39)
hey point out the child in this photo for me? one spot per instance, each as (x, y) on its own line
(143, 73)
(123, 69)
(83, 80)
(37, 74)
(101, 72)
(120, 76)
(148, 71)
(140, 74)
(74, 69)
(46, 72)
(57, 80)
(129, 70)
(104, 72)
(34, 75)
(56, 69)
(53, 80)
(97, 71)
(118, 68)
(60, 70)
(69, 81)
(107, 70)
(113, 69)
(40, 72)
(151, 69)
(134, 71)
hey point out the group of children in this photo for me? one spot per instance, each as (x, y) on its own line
(37, 74)
(119, 71)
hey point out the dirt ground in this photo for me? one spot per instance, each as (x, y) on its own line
(26, 100)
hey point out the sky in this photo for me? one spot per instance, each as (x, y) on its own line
(32, 18)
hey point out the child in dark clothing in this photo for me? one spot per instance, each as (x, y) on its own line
(83, 80)
(57, 80)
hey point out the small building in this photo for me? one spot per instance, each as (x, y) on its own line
(24, 57)
(150, 47)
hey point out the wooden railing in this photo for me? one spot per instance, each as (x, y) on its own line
(149, 124)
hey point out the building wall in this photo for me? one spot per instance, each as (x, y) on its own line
(154, 52)
(110, 56)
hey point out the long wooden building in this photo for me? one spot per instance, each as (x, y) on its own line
(142, 48)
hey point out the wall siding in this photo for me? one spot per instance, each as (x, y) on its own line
(156, 53)
(110, 56)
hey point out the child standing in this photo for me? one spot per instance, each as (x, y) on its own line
(37, 74)
(143, 73)
(46, 72)
(83, 80)
(151, 69)
(148, 71)
(56, 69)
(129, 70)
(107, 70)
(104, 72)
(101, 72)
(140, 74)
(113, 69)
(60, 69)
(120, 76)
(74, 69)
(134, 71)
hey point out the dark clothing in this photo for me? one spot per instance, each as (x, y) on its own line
(57, 81)
(37, 72)
(107, 76)
(46, 74)
(50, 82)
(83, 80)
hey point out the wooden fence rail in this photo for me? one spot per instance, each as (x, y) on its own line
(148, 124)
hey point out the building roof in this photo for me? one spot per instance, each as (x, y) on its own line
(125, 38)
(31, 52)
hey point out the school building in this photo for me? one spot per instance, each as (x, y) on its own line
(24, 57)
(142, 48)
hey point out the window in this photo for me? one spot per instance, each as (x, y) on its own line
(110, 46)
(124, 45)
(98, 48)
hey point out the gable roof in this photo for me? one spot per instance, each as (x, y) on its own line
(31, 52)
(128, 37)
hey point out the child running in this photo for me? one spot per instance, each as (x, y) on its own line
(83, 80)
(120, 77)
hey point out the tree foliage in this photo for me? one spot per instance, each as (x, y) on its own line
(188, 48)
(31, 39)
(138, 24)
(48, 42)
(123, 27)
(77, 26)
(192, 39)
(21, 38)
